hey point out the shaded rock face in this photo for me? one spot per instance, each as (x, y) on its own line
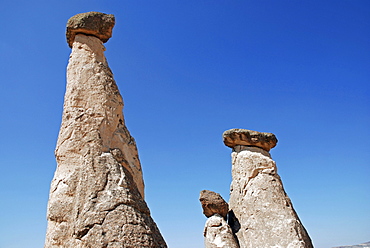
(261, 213)
(213, 203)
(97, 193)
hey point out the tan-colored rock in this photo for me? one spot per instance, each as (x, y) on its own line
(213, 203)
(261, 213)
(218, 234)
(244, 137)
(92, 23)
(97, 193)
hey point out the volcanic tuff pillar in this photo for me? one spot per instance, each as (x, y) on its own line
(97, 193)
(261, 213)
(217, 233)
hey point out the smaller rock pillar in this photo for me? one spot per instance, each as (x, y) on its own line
(261, 213)
(217, 233)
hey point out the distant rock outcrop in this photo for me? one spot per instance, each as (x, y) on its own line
(97, 193)
(261, 214)
(217, 233)
(363, 245)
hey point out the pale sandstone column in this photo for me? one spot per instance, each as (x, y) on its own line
(97, 193)
(261, 214)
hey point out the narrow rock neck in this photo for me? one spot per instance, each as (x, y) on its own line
(93, 121)
(92, 104)
(92, 46)
(240, 148)
(248, 162)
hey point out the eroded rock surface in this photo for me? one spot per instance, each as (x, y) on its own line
(261, 213)
(92, 23)
(218, 234)
(213, 203)
(97, 193)
(244, 137)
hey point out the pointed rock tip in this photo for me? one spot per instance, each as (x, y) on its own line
(93, 23)
(244, 137)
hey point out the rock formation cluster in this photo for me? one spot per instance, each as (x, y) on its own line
(260, 212)
(97, 193)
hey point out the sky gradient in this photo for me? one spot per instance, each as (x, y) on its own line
(188, 71)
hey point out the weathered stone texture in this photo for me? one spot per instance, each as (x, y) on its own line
(93, 23)
(97, 193)
(244, 137)
(218, 234)
(261, 213)
(213, 203)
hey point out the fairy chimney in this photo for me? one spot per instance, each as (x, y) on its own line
(261, 214)
(217, 233)
(97, 193)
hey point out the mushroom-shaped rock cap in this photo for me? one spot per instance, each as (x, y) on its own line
(213, 203)
(244, 137)
(90, 23)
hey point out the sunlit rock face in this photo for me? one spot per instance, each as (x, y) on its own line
(218, 234)
(97, 193)
(261, 214)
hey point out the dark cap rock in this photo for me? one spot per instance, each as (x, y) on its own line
(244, 137)
(97, 24)
(213, 203)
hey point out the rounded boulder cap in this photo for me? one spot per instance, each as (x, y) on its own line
(213, 203)
(93, 23)
(244, 137)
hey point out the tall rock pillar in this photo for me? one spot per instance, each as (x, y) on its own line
(97, 193)
(261, 214)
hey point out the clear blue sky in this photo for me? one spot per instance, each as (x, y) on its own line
(189, 70)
